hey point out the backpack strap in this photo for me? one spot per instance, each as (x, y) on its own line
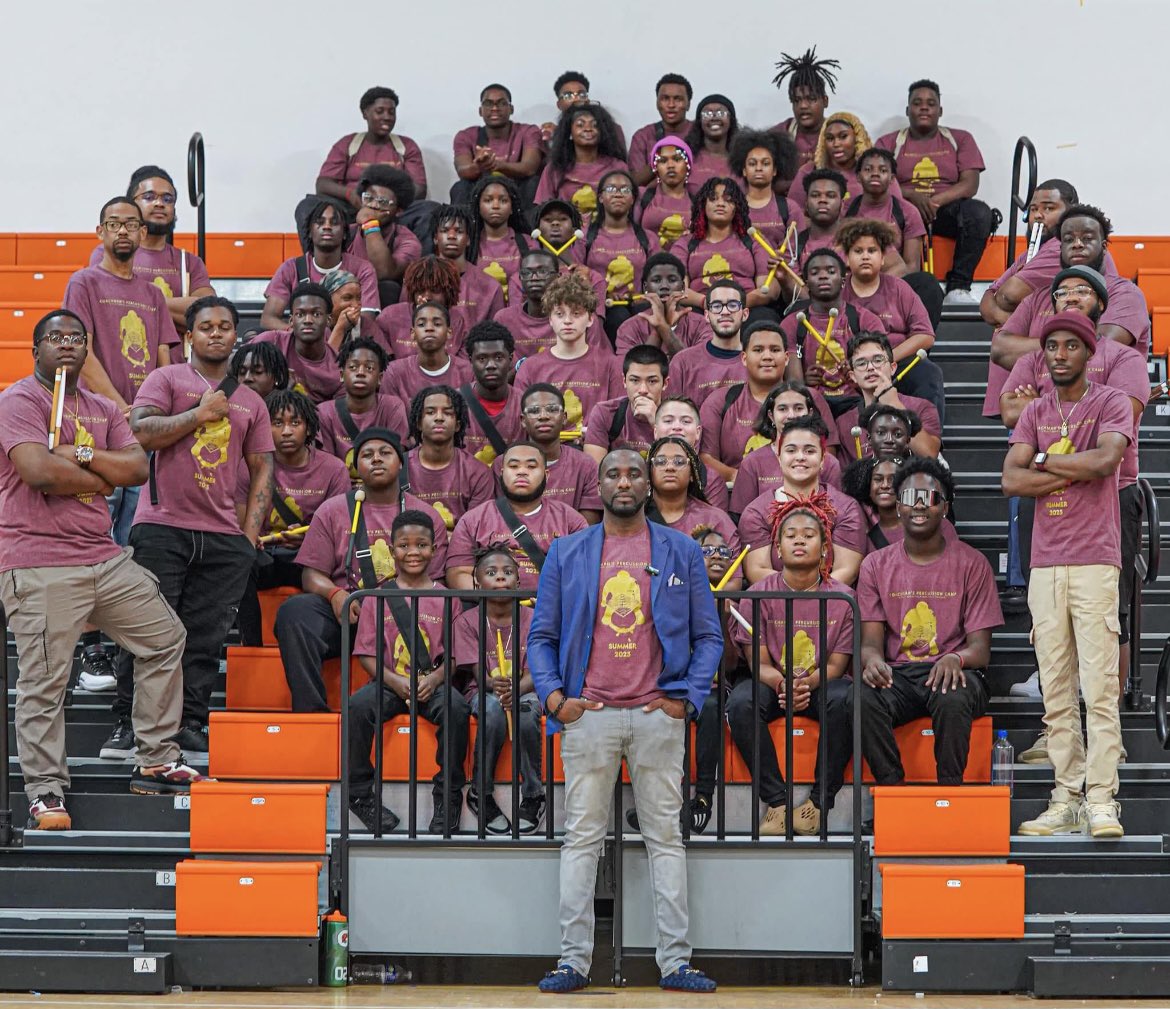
(854, 207)
(733, 392)
(899, 215)
(483, 419)
(853, 318)
(398, 145)
(877, 537)
(302, 269)
(900, 141)
(411, 635)
(346, 418)
(619, 420)
(228, 387)
(659, 130)
(647, 197)
(949, 137)
(520, 532)
(280, 506)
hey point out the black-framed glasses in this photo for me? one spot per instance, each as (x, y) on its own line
(719, 307)
(539, 271)
(113, 226)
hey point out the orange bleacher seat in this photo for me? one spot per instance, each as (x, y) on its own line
(1155, 285)
(952, 901)
(66, 250)
(35, 284)
(1134, 253)
(244, 255)
(292, 246)
(258, 817)
(1160, 340)
(275, 745)
(991, 264)
(17, 320)
(15, 360)
(270, 600)
(942, 820)
(256, 681)
(8, 250)
(246, 898)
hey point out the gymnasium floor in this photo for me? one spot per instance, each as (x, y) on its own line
(418, 996)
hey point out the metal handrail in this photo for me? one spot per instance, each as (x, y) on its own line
(1023, 146)
(5, 804)
(196, 191)
(1161, 682)
(1153, 531)
(1134, 699)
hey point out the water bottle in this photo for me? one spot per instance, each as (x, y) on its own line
(1003, 757)
(378, 973)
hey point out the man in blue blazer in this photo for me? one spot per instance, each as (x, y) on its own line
(624, 644)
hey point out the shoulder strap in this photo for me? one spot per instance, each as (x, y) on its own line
(346, 418)
(733, 392)
(520, 532)
(228, 386)
(482, 418)
(949, 137)
(793, 128)
(619, 420)
(640, 235)
(302, 269)
(899, 214)
(659, 130)
(647, 196)
(853, 208)
(853, 317)
(411, 634)
(355, 143)
(398, 145)
(184, 277)
(287, 515)
(877, 537)
(900, 141)
(481, 137)
(359, 546)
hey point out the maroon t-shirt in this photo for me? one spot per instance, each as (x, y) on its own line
(533, 334)
(196, 476)
(571, 479)
(396, 645)
(574, 255)
(404, 247)
(715, 489)
(853, 186)
(849, 528)
(883, 210)
(388, 412)
(895, 303)
(760, 473)
(327, 541)
(932, 164)
(696, 514)
(926, 410)
(772, 224)
(405, 377)
(809, 244)
(499, 259)
(303, 489)
(396, 332)
(806, 143)
(620, 259)
(645, 137)
(635, 433)
(691, 329)
(713, 261)
(480, 297)
(453, 490)
(928, 609)
(1080, 524)
(703, 369)
(806, 625)
(1115, 365)
(668, 217)
(625, 658)
(832, 359)
(484, 524)
(319, 380)
(285, 278)
(55, 530)
(728, 434)
(465, 646)
(340, 167)
(520, 139)
(165, 268)
(583, 381)
(506, 421)
(128, 320)
(707, 166)
(577, 184)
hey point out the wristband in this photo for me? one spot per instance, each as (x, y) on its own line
(369, 229)
(962, 664)
(557, 710)
(333, 593)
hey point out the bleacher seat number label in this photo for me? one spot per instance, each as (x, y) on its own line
(404, 730)
(942, 803)
(258, 800)
(164, 878)
(247, 881)
(798, 732)
(956, 883)
(145, 964)
(182, 802)
(273, 728)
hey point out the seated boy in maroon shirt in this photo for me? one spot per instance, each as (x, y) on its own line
(810, 82)
(480, 297)
(376, 236)
(498, 147)
(628, 421)
(665, 321)
(493, 403)
(824, 197)
(433, 360)
(928, 607)
(673, 95)
(307, 345)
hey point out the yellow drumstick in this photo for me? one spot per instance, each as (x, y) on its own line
(544, 241)
(58, 409)
(796, 277)
(919, 355)
(731, 570)
(763, 243)
(500, 672)
(576, 234)
(833, 313)
(856, 432)
(610, 302)
(358, 497)
(823, 340)
(273, 537)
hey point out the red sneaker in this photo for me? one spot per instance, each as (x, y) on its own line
(166, 780)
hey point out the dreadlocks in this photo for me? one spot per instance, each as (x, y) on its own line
(305, 234)
(457, 405)
(820, 509)
(434, 276)
(268, 355)
(740, 221)
(515, 216)
(861, 141)
(299, 405)
(806, 71)
(562, 154)
(447, 214)
(496, 548)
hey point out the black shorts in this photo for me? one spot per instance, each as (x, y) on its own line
(1130, 500)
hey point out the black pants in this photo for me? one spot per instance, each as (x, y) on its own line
(389, 292)
(418, 218)
(280, 570)
(741, 713)
(308, 633)
(884, 709)
(925, 380)
(202, 576)
(615, 315)
(363, 723)
(968, 222)
(708, 743)
(925, 285)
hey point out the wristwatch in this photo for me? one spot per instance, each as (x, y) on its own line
(83, 454)
(1039, 459)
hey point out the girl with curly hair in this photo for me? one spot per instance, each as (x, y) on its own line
(584, 147)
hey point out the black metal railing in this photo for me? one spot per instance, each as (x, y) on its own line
(1145, 572)
(196, 192)
(1024, 147)
(5, 800)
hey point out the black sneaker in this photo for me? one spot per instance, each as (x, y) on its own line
(97, 670)
(700, 813)
(121, 745)
(531, 813)
(192, 737)
(1014, 599)
(456, 806)
(632, 818)
(493, 817)
(367, 809)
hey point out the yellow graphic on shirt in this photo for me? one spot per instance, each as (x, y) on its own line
(585, 200)
(671, 230)
(163, 286)
(299, 386)
(920, 632)
(621, 604)
(276, 523)
(619, 274)
(135, 347)
(402, 652)
(444, 514)
(754, 442)
(1062, 446)
(353, 473)
(804, 654)
(716, 268)
(210, 450)
(497, 273)
(382, 560)
(573, 410)
(486, 455)
(924, 175)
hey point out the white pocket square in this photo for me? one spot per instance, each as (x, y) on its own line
(674, 580)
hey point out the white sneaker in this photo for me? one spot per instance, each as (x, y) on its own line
(95, 683)
(960, 296)
(1058, 818)
(1104, 819)
(1029, 688)
(1037, 753)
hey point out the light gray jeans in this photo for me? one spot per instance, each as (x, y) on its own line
(592, 749)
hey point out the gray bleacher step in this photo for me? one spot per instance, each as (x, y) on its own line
(1139, 814)
(1097, 892)
(105, 922)
(1150, 926)
(85, 971)
(1143, 975)
(964, 329)
(116, 811)
(131, 840)
(58, 886)
(1073, 844)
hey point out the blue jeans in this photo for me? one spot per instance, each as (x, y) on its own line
(123, 504)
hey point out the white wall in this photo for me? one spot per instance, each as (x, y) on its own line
(94, 89)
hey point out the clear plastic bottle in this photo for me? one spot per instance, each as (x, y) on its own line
(378, 973)
(1003, 758)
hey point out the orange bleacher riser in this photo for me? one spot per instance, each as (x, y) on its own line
(8, 250)
(245, 255)
(1139, 252)
(17, 320)
(35, 284)
(396, 750)
(1155, 285)
(292, 246)
(1160, 341)
(258, 818)
(952, 901)
(990, 264)
(256, 680)
(64, 250)
(275, 745)
(805, 736)
(974, 820)
(16, 360)
(246, 898)
(270, 600)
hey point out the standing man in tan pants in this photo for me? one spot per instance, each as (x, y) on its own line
(1066, 452)
(59, 569)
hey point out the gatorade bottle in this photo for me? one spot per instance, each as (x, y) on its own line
(335, 951)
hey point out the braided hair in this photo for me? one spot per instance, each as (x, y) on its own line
(694, 483)
(267, 354)
(431, 273)
(806, 71)
(452, 213)
(562, 154)
(299, 405)
(515, 218)
(305, 234)
(457, 405)
(820, 509)
(492, 549)
(740, 221)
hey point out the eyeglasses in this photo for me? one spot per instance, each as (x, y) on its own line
(724, 552)
(719, 307)
(113, 226)
(378, 202)
(916, 497)
(715, 113)
(865, 363)
(166, 199)
(1064, 293)
(617, 190)
(59, 339)
(539, 271)
(571, 96)
(669, 462)
(495, 103)
(543, 411)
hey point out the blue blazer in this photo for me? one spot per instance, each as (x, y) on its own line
(681, 606)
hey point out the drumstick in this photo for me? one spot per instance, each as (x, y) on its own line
(919, 355)
(1034, 241)
(803, 320)
(833, 313)
(359, 496)
(610, 302)
(500, 672)
(763, 243)
(929, 249)
(58, 408)
(576, 234)
(731, 570)
(273, 537)
(789, 232)
(544, 241)
(739, 617)
(856, 432)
